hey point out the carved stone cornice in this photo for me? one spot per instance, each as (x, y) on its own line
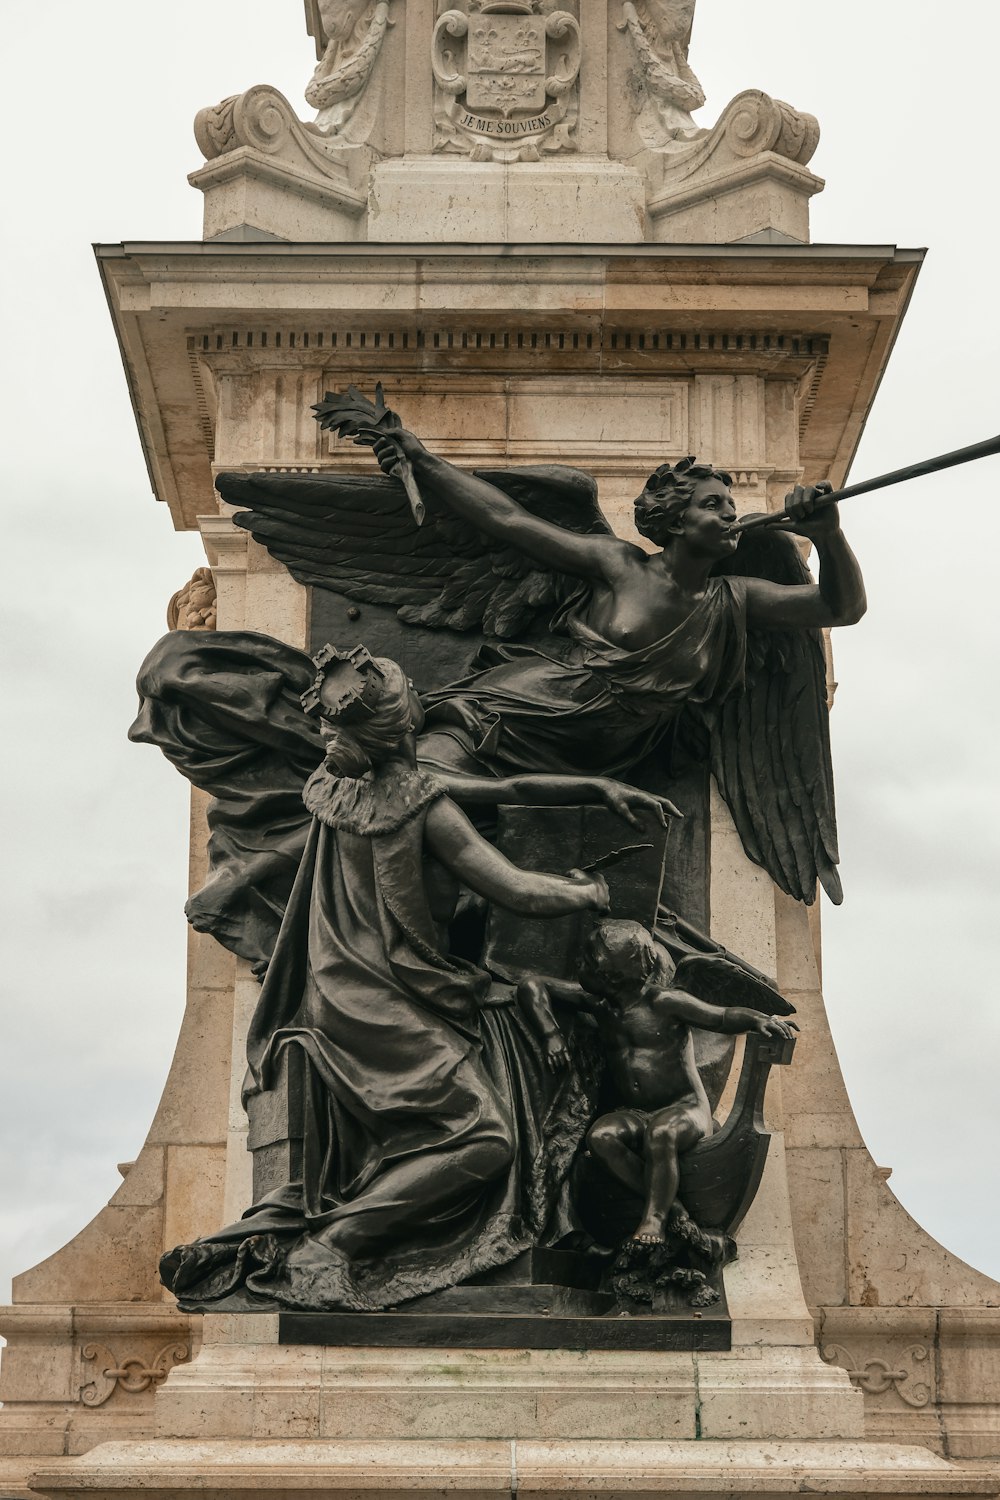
(226, 348)
(225, 544)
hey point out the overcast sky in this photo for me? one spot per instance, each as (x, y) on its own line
(100, 101)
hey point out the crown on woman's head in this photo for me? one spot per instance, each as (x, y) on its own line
(348, 685)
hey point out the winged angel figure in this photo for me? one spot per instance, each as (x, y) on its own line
(594, 653)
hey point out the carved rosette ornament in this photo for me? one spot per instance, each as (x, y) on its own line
(506, 74)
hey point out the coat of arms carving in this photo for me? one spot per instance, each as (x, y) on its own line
(506, 74)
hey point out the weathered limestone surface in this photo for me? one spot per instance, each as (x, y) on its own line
(424, 133)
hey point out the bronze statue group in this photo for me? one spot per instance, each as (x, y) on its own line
(446, 1111)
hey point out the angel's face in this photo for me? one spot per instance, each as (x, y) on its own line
(707, 523)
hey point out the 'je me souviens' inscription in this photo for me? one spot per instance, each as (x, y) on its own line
(483, 126)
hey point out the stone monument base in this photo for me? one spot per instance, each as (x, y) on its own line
(251, 1417)
(228, 1469)
(244, 1384)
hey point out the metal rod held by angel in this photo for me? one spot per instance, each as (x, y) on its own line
(987, 449)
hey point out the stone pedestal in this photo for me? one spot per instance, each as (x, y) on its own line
(577, 200)
(423, 155)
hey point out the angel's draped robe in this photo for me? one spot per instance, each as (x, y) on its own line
(579, 704)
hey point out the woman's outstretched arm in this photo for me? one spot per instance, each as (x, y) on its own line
(454, 841)
(596, 557)
(546, 790)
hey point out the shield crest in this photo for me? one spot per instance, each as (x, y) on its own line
(506, 63)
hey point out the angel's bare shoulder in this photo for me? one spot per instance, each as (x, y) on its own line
(625, 556)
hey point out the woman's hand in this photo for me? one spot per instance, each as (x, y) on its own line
(593, 890)
(809, 515)
(390, 447)
(627, 801)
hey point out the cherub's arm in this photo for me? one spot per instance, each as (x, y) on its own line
(454, 841)
(535, 997)
(597, 557)
(730, 1020)
(839, 596)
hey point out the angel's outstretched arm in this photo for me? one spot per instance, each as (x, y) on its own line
(838, 598)
(730, 1020)
(489, 509)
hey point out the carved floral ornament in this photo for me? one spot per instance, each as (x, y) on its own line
(667, 91)
(506, 73)
(349, 36)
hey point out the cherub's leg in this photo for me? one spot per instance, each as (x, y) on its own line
(668, 1133)
(616, 1141)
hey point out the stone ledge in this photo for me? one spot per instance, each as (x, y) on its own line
(225, 1470)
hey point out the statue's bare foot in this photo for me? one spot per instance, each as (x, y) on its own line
(644, 1238)
(634, 1255)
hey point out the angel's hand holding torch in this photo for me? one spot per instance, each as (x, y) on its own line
(390, 447)
(395, 448)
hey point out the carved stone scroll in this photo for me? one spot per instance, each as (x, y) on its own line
(506, 78)
(262, 124)
(753, 123)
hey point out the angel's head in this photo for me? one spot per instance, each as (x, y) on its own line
(366, 706)
(688, 496)
(618, 957)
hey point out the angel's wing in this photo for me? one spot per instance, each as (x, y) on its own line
(770, 744)
(718, 981)
(355, 534)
